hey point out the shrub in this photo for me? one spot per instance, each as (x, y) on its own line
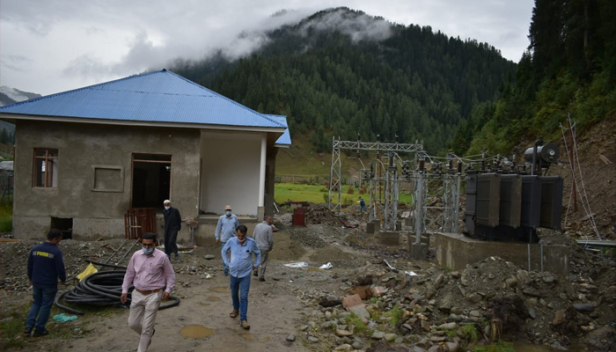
(395, 313)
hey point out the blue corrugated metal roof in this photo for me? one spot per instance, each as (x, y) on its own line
(285, 139)
(160, 96)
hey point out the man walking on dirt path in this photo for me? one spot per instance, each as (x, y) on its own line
(240, 265)
(150, 271)
(264, 237)
(45, 266)
(173, 224)
(225, 229)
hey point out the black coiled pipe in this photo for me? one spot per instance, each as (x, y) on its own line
(101, 289)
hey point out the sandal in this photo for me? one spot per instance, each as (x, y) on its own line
(234, 313)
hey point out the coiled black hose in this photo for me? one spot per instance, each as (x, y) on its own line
(101, 289)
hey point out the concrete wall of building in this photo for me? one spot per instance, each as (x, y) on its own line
(80, 147)
(230, 171)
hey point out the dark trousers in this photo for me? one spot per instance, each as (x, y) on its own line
(171, 237)
(41, 307)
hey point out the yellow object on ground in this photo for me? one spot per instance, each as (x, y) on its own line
(90, 269)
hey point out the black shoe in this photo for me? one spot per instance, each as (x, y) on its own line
(28, 332)
(261, 279)
(39, 333)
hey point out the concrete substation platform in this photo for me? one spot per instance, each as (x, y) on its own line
(457, 251)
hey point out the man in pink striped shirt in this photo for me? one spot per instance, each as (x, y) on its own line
(150, 271)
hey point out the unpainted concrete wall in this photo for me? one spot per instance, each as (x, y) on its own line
(80, 146)
(230, 172)
(456, 251)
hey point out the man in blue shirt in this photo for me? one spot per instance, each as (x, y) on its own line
(45, 266)
(240, 266)
(225, 229)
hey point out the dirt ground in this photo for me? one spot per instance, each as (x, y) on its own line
(273, 305)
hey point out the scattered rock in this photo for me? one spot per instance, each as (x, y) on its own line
(584, 307)
(209, 256)
(377, 335)
(448, 326)
(511, 282)
(452, 346)
(342, 333)
(390, 337)
(313, 339)
(559, 317)
(291, 338)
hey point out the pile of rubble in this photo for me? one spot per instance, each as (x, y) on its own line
(320, 214)
(450, 310)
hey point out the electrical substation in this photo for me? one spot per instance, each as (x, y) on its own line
(504, 204)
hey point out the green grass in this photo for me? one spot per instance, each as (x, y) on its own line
(318, 194)
(470, 331)
(6, 216)
(356, 321)
(375, 315)
(395, 313)
(500, 346)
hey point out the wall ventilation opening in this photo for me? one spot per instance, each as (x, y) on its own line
(63, 224)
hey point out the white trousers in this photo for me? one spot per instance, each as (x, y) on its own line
(143, 309)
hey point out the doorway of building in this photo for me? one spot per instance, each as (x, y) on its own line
(151, 180)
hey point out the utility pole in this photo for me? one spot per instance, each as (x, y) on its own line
(572, 162)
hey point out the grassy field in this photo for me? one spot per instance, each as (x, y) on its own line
(318, 194)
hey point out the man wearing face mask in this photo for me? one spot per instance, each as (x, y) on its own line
(225, 230)
(173, 224)
(150, 271)
(240, 265)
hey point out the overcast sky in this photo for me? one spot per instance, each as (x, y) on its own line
(50, 46)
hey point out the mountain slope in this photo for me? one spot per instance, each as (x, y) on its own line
(341, 72)
(9, 96)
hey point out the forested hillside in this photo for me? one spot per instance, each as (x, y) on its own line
(570, 67)
(340, 72)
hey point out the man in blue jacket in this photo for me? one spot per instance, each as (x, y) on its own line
(45, 266)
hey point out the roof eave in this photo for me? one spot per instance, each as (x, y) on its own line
(11, 116)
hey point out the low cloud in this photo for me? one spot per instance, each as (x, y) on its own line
(358, 26)
(15, 62)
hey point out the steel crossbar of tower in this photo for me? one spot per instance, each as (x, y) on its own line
(335, 183)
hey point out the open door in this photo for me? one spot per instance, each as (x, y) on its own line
(151, 180)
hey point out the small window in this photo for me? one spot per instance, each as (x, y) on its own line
(45, 170)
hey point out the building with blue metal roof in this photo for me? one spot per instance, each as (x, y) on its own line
(85, 157)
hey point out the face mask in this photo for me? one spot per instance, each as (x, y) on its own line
(167, 207)
(147, 251)
(228, 212)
